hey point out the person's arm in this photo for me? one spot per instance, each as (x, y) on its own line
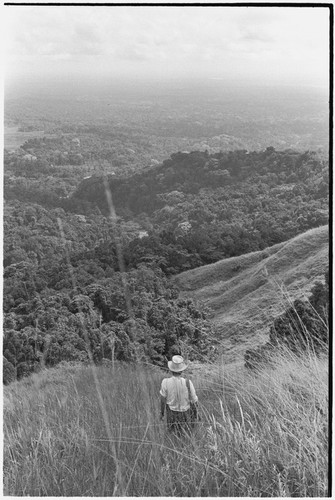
(163, 404)
(194, 396)
(163, 397)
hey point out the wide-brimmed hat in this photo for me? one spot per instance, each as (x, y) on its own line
(177, 364)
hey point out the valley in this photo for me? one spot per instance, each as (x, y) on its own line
(114, 227)
(166, 254)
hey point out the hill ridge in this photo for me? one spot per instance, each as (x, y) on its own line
(245, 293)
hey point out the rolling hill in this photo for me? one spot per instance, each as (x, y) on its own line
(247, 292)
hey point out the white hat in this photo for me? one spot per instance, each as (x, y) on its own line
(177, 364)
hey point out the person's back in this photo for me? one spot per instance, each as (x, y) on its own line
(176, 398)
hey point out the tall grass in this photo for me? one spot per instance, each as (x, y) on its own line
(261, 434)
(271, 431)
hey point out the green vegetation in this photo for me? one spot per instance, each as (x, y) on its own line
(200, 208)
(120, 252)
(131, 317)
(95, 431)
(246, 294)
(77, 275)
(302, 327)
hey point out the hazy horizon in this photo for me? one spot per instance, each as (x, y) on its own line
(266, 46)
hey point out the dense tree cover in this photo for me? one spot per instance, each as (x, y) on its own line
(303, 326)
(202, 207)
(131, 316)
(186, 174)
(78, 281)
(63, 290)
(65, 295)
(35, 234)
(196, 208)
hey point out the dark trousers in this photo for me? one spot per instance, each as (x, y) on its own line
(178, 422)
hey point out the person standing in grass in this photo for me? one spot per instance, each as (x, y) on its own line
(177, 397)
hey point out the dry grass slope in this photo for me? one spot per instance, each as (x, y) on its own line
(245, 293)
(261, 434)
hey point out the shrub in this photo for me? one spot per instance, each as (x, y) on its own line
(259, 357)
(302, 327)
(8, 371)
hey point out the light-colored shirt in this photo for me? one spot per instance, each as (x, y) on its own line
(174, 389)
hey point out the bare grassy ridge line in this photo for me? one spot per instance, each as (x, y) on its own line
(246, 293)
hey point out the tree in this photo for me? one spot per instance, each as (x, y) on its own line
(8, 372)
(302, 327)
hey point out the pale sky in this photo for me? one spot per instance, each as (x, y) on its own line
(264, 44)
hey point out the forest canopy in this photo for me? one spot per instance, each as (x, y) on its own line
(83, 276)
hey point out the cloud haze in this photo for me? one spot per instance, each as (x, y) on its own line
(271, 44)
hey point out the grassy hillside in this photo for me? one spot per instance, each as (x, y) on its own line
(247, 292)
(83, 431)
